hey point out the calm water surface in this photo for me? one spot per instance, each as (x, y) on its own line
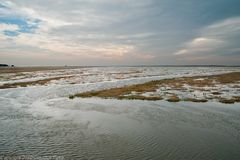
(113, 129)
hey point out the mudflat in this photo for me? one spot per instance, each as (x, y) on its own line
(143, 113)
(174, 89)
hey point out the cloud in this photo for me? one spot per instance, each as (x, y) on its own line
(7, 30)
(220, 38)
(201, 45)
(8, 27)
(225, 27)
(44, 37)
(121, 31)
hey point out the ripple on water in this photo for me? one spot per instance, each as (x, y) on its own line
(106, 129)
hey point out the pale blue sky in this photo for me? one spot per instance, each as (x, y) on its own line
(119, 32)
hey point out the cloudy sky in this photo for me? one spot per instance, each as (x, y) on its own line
(119, 32)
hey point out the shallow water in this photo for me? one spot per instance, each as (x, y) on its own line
(41, 121)
(112, 129)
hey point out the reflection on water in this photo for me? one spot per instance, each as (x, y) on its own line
(113, 129)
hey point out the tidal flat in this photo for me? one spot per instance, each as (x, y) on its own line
(39, 119)
(210, 88)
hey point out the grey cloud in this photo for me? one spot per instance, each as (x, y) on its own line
(147, 31)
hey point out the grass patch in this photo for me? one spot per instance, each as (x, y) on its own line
(195, 100)
(139, 97)
(227, 101)
(173, 98)
(32, 69)
(216, 93)
(236, 86)
(30, 83)
(237, 98)
(173, 83)
(230, 100)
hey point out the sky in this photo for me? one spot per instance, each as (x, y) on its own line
(119, 32)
